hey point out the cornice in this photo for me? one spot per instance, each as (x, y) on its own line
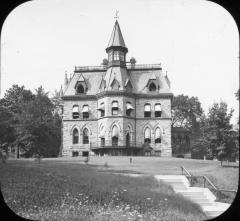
(114, 94)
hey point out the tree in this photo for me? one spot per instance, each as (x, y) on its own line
(39, 130)
(30, 122)
(10, 107)
(186, 112)
(218, 132)
(7, 133)
(14, 97)
(237, 94)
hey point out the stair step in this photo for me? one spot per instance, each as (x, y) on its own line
(214, 213)
(192, 193)
(202, 196)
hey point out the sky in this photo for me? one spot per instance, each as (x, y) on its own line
(196, 42)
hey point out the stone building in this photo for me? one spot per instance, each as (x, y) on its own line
(118, 108)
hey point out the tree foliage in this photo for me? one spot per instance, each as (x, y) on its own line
(220, 141)
(35, 127)
(7, 133)
(237, 94)
(186, 112)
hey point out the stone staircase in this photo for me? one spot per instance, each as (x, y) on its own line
(202, 196)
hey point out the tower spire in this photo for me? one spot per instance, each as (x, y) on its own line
(116, 39)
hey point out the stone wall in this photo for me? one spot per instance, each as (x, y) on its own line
(136, 122)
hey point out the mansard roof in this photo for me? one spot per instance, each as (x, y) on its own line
(100, 80)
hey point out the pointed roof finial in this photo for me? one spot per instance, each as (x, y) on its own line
(116, 15)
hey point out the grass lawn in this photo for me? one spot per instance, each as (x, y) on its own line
(58, 189)
(222, 177)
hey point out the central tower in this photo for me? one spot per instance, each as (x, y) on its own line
(117, 77)
(116, 48)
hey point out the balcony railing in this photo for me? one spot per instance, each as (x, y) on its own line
(90, 68)
(144, 66)
(129, 66)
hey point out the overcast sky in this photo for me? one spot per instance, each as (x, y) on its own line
(196, 42)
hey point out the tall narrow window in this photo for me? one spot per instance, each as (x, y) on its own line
(147, 110)
(147, 135)
(115, 135)
(75, 112)
(116, 55)
(158, 135)
(110, 54)
(80, 89)
(85, 112)
(129, 109)
(114, 108)
(102, 109)
(75, 136)
(122, 56)
(128, 140)
(158, 110)
(85, 136)
(102, 141)
(152, 87)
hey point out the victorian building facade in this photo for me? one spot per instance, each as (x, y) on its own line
(118, 108)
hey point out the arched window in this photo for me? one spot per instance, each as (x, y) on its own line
(147, 135)
(158, 135)
(147, 110)
(75, 112)
(115, 135)
(129, 109)
(85, 136)
(114, 108)
(128, 139)
(158, 110)
(80, 89)
(152, 87)
(75, 136)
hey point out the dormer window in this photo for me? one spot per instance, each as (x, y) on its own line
(152, 87)
(81, 85)
(80, 89)
(75, 112)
